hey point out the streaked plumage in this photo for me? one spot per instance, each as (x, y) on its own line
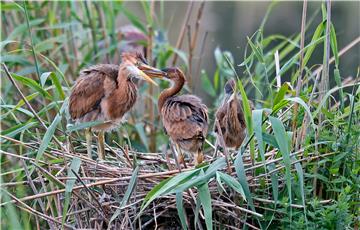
(99, 95)
(106, 92)
(231, 118)
(185, 117)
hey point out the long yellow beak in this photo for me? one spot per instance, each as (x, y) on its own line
(151, 71)
(147, 78)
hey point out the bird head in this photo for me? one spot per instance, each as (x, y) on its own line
(136, 64)
(173, 73)
(230, 86)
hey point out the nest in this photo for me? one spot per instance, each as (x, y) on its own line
(100, 188)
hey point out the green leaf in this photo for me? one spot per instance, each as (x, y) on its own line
(12, 109)
(327, 95)
(300, 174)
(317, 34)
(282, 92)
(274, 184)
(50, 133)
(11, 132)
(55, 81)
(270, 139)
(11, 213)
(333, 43)
(165, 186)
(21, 103)
(303, 104)
(257, 122)
(32, 84)
(75, 166)
(130, 188)
(337, 78)
(206, 84)
(218, 180)
(202, 177)
(283, 142)
(240, 172)
(205, 198)
(216, 78)
(256, 50)
(128, 193)
(233, 183)
(180, 210)
(197, 210)
(22, 28)
(47, 137)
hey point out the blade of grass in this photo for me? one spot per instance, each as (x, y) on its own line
(75, 166)
(205, 199)
(180, 209)
(233, 183)
(129, 191)
(283, 142)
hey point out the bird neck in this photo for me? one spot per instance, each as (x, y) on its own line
(178, 83)
(123, 76)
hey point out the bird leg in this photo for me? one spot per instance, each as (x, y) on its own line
(198, 157)
(216, 147)
(101, 145)
(180, 156)
(175, 156)
(88, 142)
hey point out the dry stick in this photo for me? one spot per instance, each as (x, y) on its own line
(317, 73)
(49, 199)
(220, 203)
(126, 154)
(33, 211)
(201, 53)
(190, 56)
(183, 29)
(19, 156)
(33, 187)
(299, 80)
(222, 143)
(292, 205)
(192, 43)
(342, 51)
(149, 175)
(103, 28)
(297, 161)
(324, 83)
(102, 213)
(197, 25)
(28, 104)
(152, 145)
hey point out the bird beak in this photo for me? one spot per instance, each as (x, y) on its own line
(147, 78)
(151, 71)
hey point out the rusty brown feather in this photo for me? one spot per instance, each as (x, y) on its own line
(106, 92)
(102, 93)
(231, 118)
(185, 117)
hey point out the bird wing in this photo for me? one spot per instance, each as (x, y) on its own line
(220, 116)
(89, 89)
(185, 116)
